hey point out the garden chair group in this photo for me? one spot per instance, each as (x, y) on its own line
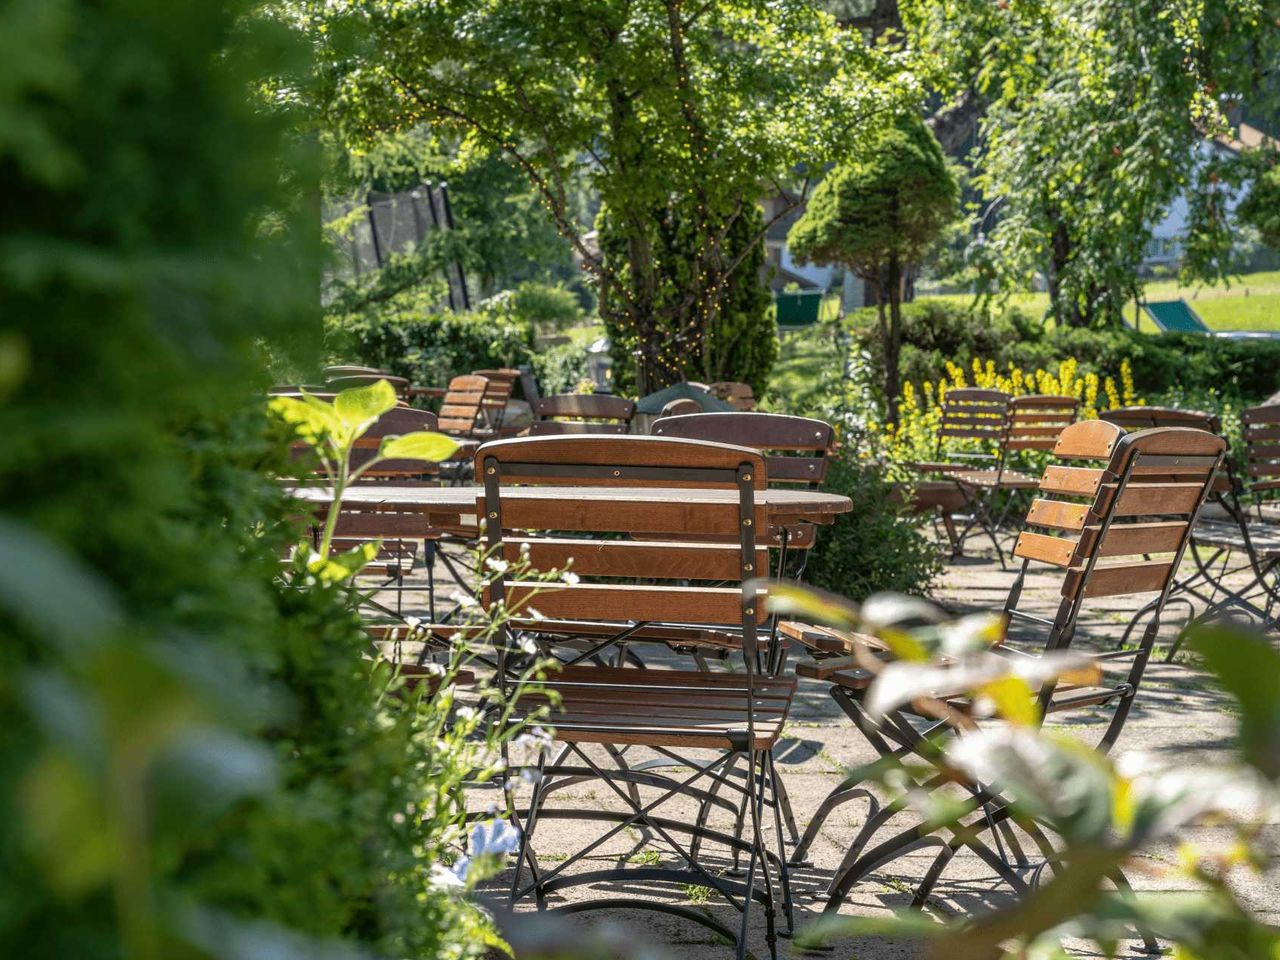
(682, 574)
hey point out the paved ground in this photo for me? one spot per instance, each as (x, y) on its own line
(1178, 719)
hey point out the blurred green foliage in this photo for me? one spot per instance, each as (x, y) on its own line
(194, 761)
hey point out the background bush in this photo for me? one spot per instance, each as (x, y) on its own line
(409, 336)
(936, 332)
(877, 545)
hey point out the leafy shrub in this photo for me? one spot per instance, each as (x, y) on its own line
(875, 547)
(560, 369)
(408, 336)
(936, 333)
(547, 307)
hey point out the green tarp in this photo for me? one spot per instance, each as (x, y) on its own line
(1174, 316)
(654, 402)
(798, 309)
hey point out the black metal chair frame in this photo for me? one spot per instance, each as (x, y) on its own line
(573, 764)
(895, 737)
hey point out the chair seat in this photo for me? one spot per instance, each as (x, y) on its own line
(662, 708)
(1227, 535)
(995, 480)
(826, 639)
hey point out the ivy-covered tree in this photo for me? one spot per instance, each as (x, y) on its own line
(741, 341)
(876, 216)
(675, 112)
(1097, 118)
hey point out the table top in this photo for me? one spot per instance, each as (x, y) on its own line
(816, 506)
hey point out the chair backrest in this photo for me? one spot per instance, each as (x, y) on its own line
(590, 413)
(347, 369)
(680, 407)
(399, 384)
(795, 448)
(395, 423)
(1037, 420)
(548, 498)
(1144, 418)
(1119, 526)
(501, 384)
(1261, 428)
(969, 413)
(461, 404)
(738, 395)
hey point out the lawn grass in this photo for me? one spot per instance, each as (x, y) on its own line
(1251, 302)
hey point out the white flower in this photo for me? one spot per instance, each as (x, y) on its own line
(527, 644)
(497, 565)
(496, 836)
(463, 599)
(529, 775)
(466, 713)
(571, 578)
(450, 878)
(535, 614)
(536, 737)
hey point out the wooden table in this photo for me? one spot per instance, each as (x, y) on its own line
(446, 505)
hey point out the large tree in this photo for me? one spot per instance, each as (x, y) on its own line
(676, 112)
(1097, 118)
(877, 215)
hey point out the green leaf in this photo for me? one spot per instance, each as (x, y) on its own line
(812, 604)
(312, 420)
(48, 588)
(343, 566)
(360, 407)
(423, 445)
(1249, 669)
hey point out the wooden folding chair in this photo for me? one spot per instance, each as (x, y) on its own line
(738, 716)
(501, 383)
(740, 396)
(680, 407)
(972, 427)
(398, 552)
(1225, 584)
(1032, 422)
(795, 451)
(582, 413)
(1117, 527)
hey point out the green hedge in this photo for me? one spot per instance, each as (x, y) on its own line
(935, 332)
(411, 337)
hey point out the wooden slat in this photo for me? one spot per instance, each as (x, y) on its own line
(1056, 514)
(1036, 431)
(1059, 551)
(1267, 432)
(1093, 439)
(971, 433)
(796, 469)
(559, 510)
(1155, 499)
(628, 602)
(762, 431)
(966, 419)
(1144, 576)
(660, 452)
(1128, 539)
(633, 558)
(560, 428)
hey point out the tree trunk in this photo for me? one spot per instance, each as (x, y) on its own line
(893, 343)
(1065, 309)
